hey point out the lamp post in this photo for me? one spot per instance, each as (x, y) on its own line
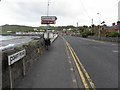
(76, 29)
(48, 8)
(99, 25)
(48, 15)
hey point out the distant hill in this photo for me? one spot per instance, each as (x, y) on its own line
(11, 29)
(15, 28)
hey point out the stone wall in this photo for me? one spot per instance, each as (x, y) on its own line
(109, 39)
(34, 50)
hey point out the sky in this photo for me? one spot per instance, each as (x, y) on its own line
(68, 12)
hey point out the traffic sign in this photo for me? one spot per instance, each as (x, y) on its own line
(47, 22)
(53, 18)
(48, 19)
(16, 56)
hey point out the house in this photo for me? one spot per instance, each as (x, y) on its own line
(113, 28)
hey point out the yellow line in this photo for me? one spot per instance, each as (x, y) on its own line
(77, 65)
(79, 70)
(87, 75)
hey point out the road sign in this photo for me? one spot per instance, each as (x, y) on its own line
(16, 56)
(52, 18)
(48, 19)
(47, 22)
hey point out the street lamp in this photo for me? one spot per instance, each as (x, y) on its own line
(48, 8)
(99, 25)
(48, 15)
(76, 29)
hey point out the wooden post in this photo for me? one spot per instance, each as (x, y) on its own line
(10, 75)
(24, 71)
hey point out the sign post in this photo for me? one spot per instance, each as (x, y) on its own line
(12, 59)
(16, 56)
(10, 75)
(48, 20)
(24, 67)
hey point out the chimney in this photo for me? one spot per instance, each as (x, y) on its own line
(118, 23)
(113, 24)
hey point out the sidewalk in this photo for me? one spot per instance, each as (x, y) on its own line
(51, 71)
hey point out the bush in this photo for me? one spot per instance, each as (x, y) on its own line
(84, 34)
(114, 34)
(87, 33)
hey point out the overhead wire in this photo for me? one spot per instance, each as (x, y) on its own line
(84, 9)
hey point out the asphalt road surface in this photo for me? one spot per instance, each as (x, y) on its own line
(100, 60)
(74, 62)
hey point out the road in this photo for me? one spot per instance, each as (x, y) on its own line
(100, 60)
(74, 62)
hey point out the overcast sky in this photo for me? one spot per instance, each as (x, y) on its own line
(68, 12)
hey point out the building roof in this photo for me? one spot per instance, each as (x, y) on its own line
(116, 27)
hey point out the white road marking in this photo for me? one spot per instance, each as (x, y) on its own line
(95, 47)
(114, 44)
(70, 62)
(74, 80)
(115, 51)
(71, 69)
(69, 57)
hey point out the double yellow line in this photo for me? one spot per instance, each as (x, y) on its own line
(81, 70)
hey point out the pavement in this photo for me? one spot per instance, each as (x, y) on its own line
(56, 68)
(14, 42)
(52, 70)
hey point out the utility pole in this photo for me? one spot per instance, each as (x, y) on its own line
(99, 25)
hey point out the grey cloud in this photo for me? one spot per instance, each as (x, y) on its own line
(30, 11)
(27, 10)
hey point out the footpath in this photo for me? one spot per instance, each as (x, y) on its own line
(52, 70)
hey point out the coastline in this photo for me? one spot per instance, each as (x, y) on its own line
(14, 41)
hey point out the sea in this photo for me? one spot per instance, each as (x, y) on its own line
(6, 37)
